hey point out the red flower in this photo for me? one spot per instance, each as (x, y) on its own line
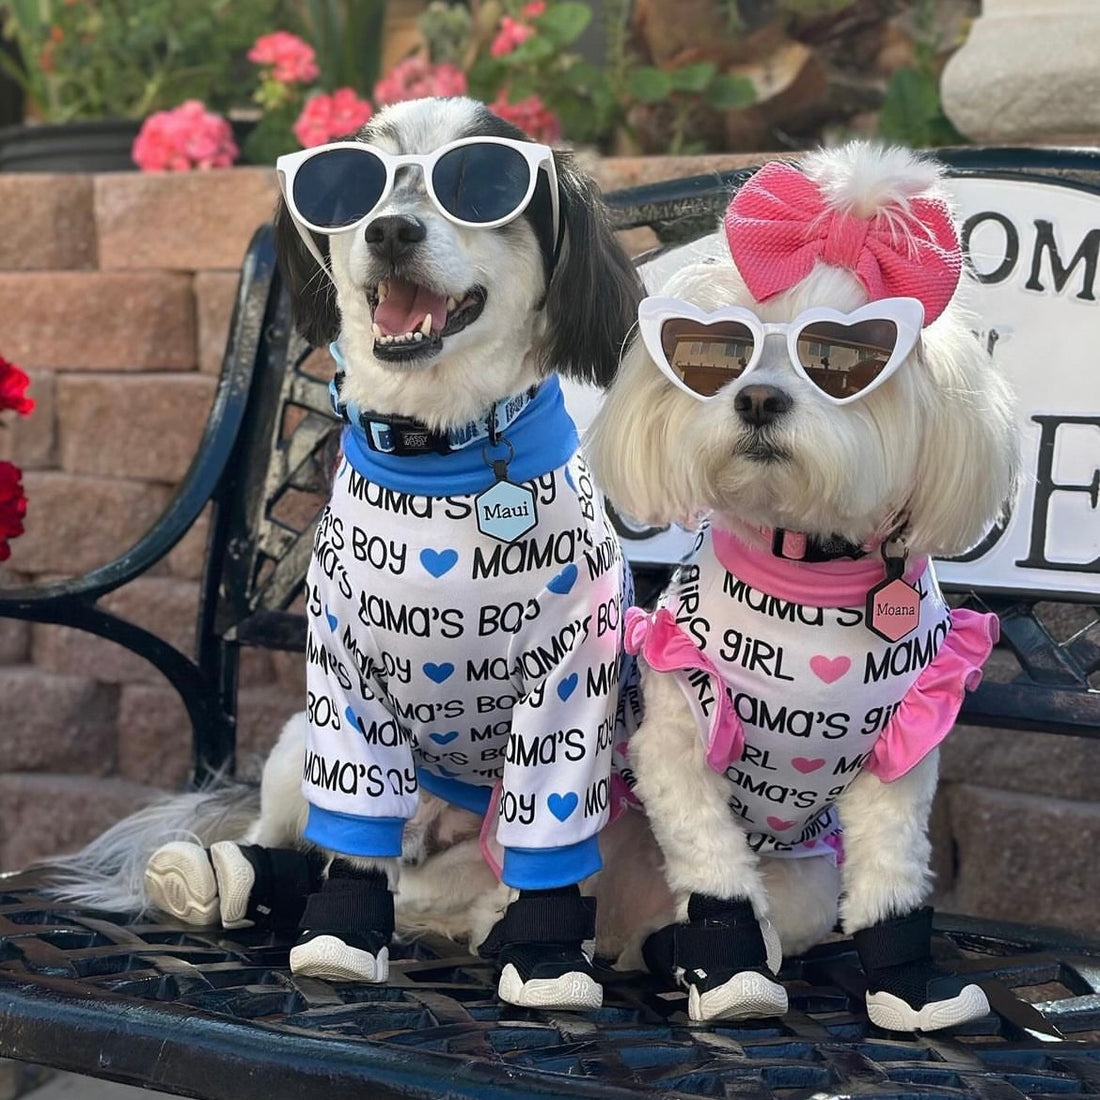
(534, 9)
(510, 35)
(327, 117)
(531, 115)
(189, 136)
(13, 506)
(417, 77)
(13, 389)
(292, 61)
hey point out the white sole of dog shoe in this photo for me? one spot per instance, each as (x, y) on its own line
(235, 878)
(330, 958)
(892, 1013)
(180, 881)
(746, 996)
(571, 991)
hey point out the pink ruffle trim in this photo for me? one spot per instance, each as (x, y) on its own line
(931, 705)
(668, 648)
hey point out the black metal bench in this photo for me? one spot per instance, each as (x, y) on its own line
(216, 1014)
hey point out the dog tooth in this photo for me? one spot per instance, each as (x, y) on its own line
(426, 326)
(452, 304)
(377, 332)
(383, 291)
(418, 335)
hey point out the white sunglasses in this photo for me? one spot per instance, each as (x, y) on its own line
(475, 182)
(843, 355)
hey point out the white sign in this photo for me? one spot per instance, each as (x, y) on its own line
(1035, 247)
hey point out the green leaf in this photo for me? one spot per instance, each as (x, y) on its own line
(532, 51)
(563, 23)
(648, 85)
(730, 93)
(693, 78)
(912, 103)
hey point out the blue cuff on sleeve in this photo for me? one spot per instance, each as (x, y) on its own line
(377, 837)
(545, 868)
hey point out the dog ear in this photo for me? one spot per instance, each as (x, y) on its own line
(312, 294)
(969, 459)
(592, 298)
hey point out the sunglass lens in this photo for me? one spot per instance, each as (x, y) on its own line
(706, 357)
(481, 183)
(843, 360)
(338, 187)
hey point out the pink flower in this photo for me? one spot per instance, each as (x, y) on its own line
(326, 117)
(416, 77)
(13, 389)
(534, 9)
(531, 115)
(187, 137)
(292, 60)
(13, 506)
(510, 35)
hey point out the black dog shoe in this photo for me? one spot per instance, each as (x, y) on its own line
(906, 990)
(347, 927)
(239, 884)
(724, 959)
(537, 945)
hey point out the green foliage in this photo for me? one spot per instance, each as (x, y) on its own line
(126, 58)
(347, 38)
(912, 114)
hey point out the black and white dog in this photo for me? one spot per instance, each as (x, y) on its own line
(464, 578)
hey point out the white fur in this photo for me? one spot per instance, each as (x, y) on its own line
(935, 441)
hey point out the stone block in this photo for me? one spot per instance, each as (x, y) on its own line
(1018, 760)
(46, 222)
(163, 605)
(261, 714)
(142, 427)
(186, 559)
(76, 523)
(290, 673)
(15, 641)
(215, 296)
(188, 221)
(154, 736)
(31, 441)
(46, 815)
(1024, 857)
(98, 321)
(612, 173)
(56, 722)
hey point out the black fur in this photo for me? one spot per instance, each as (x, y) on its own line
(592, 291)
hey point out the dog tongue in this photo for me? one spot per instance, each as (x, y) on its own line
(406, 306)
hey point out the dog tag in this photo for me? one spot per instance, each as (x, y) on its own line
(505, 511)
(893, 605)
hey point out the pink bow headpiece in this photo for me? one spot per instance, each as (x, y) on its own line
(778, 225)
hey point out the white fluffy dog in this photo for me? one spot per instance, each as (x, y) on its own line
(832, 442)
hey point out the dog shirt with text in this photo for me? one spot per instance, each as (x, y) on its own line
(486, 671)
(792, 692)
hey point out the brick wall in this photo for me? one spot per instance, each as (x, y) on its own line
(115, 294)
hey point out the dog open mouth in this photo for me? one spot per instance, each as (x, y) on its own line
(412, 321)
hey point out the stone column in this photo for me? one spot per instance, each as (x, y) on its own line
(1029, 73)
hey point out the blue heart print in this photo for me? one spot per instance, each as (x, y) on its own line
(333, 622)
(562, 805)
(349, 714)
(438, 673)
(563, 583)
(443, 738)
(567, 687)
(438, 562)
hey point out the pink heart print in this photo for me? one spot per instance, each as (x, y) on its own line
(829, 669)
(805, 765)
(779, 825)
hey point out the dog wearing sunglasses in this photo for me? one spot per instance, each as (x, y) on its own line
(815, 403)
(466, 591)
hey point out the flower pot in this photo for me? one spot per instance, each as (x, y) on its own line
(97, 146)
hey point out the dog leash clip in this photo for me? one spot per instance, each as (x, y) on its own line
(505, 511)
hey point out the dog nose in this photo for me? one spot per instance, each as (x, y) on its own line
(394, 235)
(760, 405)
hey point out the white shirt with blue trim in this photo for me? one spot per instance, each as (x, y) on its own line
(444, 658)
